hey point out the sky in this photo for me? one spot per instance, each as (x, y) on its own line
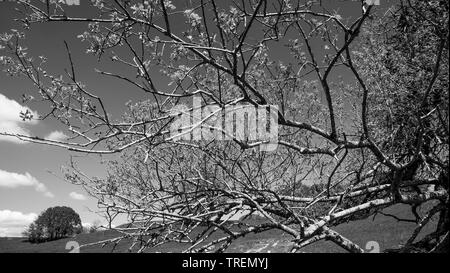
(30, 174)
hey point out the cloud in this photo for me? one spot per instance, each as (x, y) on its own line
(10, 120)
(56, 136)
(13, 223)
(77, 196)
(15, 180)
(97, 224)
(87, 225)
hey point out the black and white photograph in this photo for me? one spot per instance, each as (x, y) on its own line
(247, 128)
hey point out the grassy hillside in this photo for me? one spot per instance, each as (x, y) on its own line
(386, 231)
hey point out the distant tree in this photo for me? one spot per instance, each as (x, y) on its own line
(34, 233)
(54, 223)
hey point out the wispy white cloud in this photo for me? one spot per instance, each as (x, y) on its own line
(13, 223)
(10, 120)
(56, 136)
(15, 180)
(87, 225)
(77, 196)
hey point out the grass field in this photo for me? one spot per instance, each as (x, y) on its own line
(386, 231)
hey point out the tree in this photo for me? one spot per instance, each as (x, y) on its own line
(53, 224)
(34, 233)
(362, 116)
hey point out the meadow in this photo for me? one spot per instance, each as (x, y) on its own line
(381, 230)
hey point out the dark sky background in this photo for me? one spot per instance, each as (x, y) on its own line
(20, 203)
